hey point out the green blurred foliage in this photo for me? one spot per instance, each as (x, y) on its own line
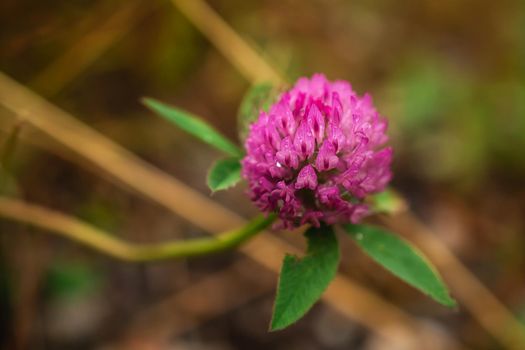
(70, 280)
(457, 126)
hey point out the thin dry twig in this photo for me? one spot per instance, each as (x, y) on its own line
(242, 55)
(90, 47)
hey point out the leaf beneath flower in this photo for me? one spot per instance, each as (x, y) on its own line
(402, 259)
(303, 280)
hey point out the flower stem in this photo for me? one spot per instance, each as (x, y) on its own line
(103, 242)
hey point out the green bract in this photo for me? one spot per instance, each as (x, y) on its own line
(258, 98)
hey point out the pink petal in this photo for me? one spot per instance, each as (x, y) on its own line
(306, 178)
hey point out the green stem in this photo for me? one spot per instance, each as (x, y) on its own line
(103, 242)
(203, 246)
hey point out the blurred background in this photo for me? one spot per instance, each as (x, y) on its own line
(449, 75)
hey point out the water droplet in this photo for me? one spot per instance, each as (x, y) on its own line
(359, 236)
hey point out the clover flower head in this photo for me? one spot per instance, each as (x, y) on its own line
(316, 154)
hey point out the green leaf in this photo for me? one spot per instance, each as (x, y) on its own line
(302, 281)
(259, 97)
(224, 174)
(193, 125)
(402, 259)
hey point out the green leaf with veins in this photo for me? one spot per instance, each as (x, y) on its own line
(303, 280)
(402, 259)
